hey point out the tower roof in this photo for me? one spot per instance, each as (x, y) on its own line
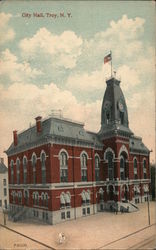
(114, 114)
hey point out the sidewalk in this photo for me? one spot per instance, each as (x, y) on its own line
(91, 232)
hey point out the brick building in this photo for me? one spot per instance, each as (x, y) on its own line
(59, 171)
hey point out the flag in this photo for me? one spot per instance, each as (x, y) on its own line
(107, 58)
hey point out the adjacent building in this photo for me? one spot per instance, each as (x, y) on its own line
(4, 198)
(59, 171)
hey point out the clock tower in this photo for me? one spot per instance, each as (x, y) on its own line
(114, 114)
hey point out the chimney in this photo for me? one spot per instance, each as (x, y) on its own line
(38, 124)
(1, 160)
(15, 137)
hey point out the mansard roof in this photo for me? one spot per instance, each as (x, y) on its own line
(55, 130)
(137, 146)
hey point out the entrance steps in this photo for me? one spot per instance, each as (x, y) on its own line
(128, 207)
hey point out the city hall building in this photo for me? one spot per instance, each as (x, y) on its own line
(59, 171)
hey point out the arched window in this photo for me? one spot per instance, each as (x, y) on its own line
(144, 169)
(34, 161)
(42, 199)
(109, 158)
(20, 197)
(46, 199)
(18, 170)
(12, 171)
(26, 197)
(37, 198)
(43, 167)
(85, 197)
(97, 168)
(83, 159)
(24, 170)
(62, 201)
(122, 167)
(63, 167)
(135, 168)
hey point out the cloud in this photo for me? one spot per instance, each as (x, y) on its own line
(88, 82)
(64, 49)
(16, 71)
(6, 33)
(129, 77)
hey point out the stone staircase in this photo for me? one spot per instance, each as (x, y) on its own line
(18, 215)
(128, 207)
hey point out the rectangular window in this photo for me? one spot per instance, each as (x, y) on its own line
(5, 203)
(0, 203)
(64, 175)
(43, 215)
(43, 176)
(18, 178)
(145, 176)
(84, 174)
(84, 211)
(5, 192)
(46, 216)
(88, 210)
(63, 215)
(4, 182)
(68, 214)
(97, 178)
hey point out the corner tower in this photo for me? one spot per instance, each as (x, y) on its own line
(114, 114)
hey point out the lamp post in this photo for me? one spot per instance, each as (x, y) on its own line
(4, 216)
(148, 208)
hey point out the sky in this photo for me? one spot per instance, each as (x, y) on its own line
(51, 57)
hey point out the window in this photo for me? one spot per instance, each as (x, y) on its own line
(18, 170)
(46, 200)
(43, 167)
(65, 200)
(34, 160)
(122, 117)
(5, 203)
(5, 192)
(26, 197)
(144, 169)
(88, 210)
(63, 215)
(0, 203)
(83, 211)
(109, 158)
(68, 214)
(20, 198)
(83, 167)
(43, 215)
(24, 170)
(46, 216)
(4, 182)
(97, 169)
(37, 199)
(85, 197)
(123, 166)
(63, 167)
(135, 168)
(12, 171)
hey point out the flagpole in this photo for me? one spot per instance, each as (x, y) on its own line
(111, 63)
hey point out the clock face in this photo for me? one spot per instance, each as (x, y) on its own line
(121, 106)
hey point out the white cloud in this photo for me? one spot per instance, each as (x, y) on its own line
(13, 69)
(129, 77)
(65, 47)
(89, 82)
(122, 37)
(6, 33)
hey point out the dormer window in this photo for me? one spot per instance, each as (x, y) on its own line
(107, 116)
